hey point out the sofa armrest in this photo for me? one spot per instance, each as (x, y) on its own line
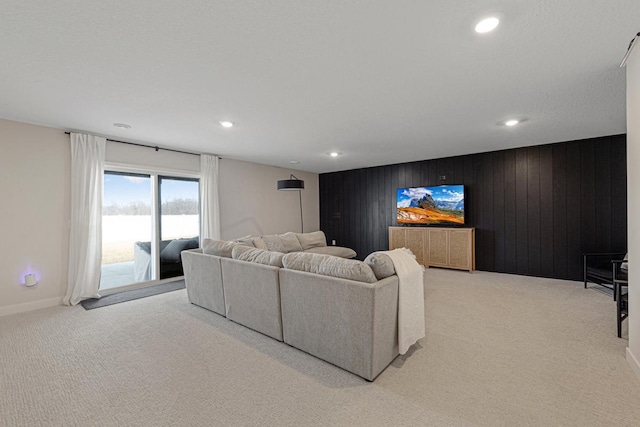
(353, 325)
(141, 264)
(203, 280)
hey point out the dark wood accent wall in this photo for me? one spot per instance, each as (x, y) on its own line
(535, 209)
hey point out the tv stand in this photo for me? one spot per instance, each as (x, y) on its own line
(437, 246)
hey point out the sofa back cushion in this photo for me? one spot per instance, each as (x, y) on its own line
(290, 242)
(259, 256)
(246, 240)
(328, 265)
(221, 248)
(311, 240)
(381, 264)
(274, 243)
(259, 243)
(171, 252)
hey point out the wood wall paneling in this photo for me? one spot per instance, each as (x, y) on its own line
(487, 206)
(559, 202)
(478, 212)
(618, 196)
(588, 196)
(574, 241)
(603, 195)
(510, 237)
(522, 218)
(535, 209)
(546, 211)
(499, 212)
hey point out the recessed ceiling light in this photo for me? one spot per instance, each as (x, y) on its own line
(511, 122)
(226, 124)
(334, 154)
(122, 126)
(487, 25)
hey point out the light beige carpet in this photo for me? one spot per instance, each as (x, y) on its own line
(499, 350)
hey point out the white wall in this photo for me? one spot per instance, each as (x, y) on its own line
(633, 207)
(34, 206)
(251, 204)
(34, 213)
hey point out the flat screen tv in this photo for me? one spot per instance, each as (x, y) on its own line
(442, 205)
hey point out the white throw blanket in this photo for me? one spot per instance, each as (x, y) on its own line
(410, 298)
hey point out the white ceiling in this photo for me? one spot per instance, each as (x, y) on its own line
(379, 81)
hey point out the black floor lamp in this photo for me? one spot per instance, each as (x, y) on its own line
(296, 184)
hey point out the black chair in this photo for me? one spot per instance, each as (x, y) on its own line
(599, 269)
(620, 280)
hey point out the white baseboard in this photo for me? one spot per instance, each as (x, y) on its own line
(30, 306)
(633, 362)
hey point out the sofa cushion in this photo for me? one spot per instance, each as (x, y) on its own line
(625, 265)
(259, 243)
(328, 265)
(290, 242)
(274, 243)
(221, 248)
(246, 253)
(311, 240)
(333, 250)
(381, 264)
(246, 240)
(171, 252)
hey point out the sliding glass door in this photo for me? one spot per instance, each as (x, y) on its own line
(179, 221)
(148, 219)
(127, 229)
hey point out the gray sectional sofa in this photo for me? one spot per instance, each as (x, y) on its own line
(352, 324)
(340, 310)
(203, 269)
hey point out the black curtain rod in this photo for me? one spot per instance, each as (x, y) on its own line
(147, 146)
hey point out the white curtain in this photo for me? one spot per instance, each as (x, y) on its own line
(209, 200)
(85, 243)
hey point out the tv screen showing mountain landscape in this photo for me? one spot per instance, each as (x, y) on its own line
(443, 205)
